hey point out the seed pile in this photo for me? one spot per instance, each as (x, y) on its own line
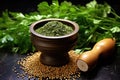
(32, 67)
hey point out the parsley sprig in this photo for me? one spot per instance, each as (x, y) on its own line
(93, 19)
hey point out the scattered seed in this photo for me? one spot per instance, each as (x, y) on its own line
(32, 66)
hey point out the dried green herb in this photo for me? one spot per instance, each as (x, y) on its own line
(54, 28)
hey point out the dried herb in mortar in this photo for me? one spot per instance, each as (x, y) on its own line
(54, 28)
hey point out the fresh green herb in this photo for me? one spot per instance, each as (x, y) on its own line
(93, 19)
(54, 28)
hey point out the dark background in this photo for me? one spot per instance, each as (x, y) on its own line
(31, 5)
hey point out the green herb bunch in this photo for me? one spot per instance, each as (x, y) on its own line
(93, 19)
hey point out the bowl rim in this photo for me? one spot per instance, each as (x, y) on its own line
(76, 26)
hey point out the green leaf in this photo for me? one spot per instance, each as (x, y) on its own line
(96, 21)
(7, 38)
(92, 4)
(115, 29)
(44, 8)
(17, 15)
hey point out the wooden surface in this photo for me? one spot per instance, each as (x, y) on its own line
(109, 70)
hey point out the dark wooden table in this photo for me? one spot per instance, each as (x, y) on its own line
(103, 71)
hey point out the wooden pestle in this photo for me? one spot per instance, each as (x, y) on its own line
(88, 59)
